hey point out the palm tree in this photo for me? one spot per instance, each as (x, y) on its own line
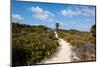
(57, 26)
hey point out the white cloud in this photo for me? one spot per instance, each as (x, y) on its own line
(69, 12)
(36, 9)
(16, 17)
(84, 12)
(41, 14)
(87, 12)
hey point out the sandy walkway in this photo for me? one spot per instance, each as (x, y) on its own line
(63, 54)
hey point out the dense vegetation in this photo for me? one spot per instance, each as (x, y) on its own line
(93, 30)
(83, 42)
(31, 44)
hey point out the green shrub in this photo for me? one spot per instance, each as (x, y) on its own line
(83, 43)
(36, 44)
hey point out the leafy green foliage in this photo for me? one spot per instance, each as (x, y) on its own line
(31, 44)
(74, 36)
(93, 30)
(83, 43)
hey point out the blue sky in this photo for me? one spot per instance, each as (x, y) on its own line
(69, 16)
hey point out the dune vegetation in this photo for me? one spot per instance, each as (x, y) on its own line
(31, 44)
(84, 43)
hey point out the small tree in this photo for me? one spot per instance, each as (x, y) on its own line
(93, 30)
(57, 26)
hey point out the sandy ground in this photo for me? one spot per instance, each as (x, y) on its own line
(64, 53)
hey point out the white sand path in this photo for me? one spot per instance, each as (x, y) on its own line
(64, 53)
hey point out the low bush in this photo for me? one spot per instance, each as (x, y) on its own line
(31, 44)
(83, 43)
